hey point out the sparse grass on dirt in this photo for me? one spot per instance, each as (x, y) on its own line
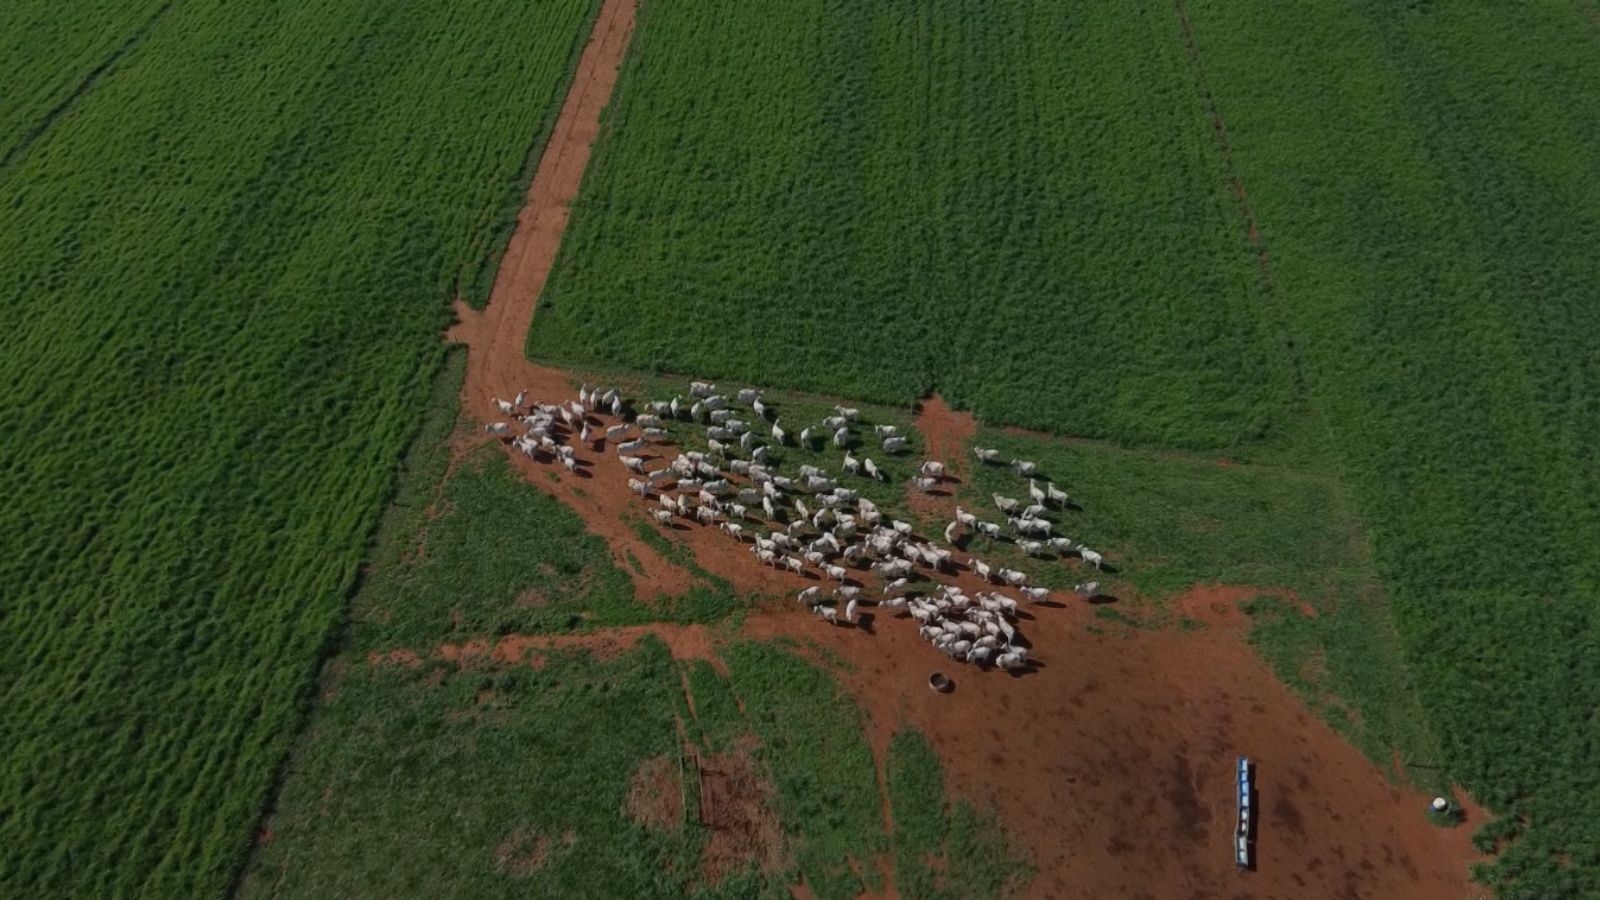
(943, 849)
(222, 284)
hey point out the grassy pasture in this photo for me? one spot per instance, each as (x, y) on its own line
(1017, 205)
(220, 301)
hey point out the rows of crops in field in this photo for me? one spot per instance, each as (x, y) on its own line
(51, 52)
(1424, 174)
(425, 776)
(1019, 206)
(219, 311)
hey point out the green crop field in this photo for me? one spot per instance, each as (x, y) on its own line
(1037, 210)
(1018, 205)
(227, 262)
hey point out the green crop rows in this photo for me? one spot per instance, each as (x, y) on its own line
(226, 266)
(1016, 204)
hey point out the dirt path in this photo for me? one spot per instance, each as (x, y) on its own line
(495, 337)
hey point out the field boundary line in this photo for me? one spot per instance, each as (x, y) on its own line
(24, 147)
(1241, 198)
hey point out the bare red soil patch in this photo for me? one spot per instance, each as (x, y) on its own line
(1113, 762)
(655, 795)
(684, 642)
(522, 853)
(737, 805)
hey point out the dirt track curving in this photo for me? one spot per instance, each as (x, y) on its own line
(1112, 761)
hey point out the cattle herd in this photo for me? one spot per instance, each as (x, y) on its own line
(810, 521)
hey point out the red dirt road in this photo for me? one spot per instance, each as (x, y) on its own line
(1112, 763)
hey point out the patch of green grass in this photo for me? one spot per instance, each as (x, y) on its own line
(504, 782)
(1167, 521)
(812, 742)
(944, 850)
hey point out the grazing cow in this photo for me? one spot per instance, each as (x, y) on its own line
(1006, 504)
(505, 407)
(884, 431)
(632, 463)
(986, 454)
(850, 611)
(895, 444)
(838, 573)
(924, 483)
(570, 463)
(498, 429)
(1086, 589)
(872, 470)
(794, 565)
(1034, 491)
(648, 421)
(1031, 526)
(1032, 548)
(1024, 467)
(1091, 557)
(639, 487)
(988, 529)
(747, 396)
(1036, 594)
(701, 388)
(632, 447)
(950, 532)
(851, 464)
(933, 469)
(1013, 577)
(664, 516)
(829, 614)
(805, 437)
(835, 422)
(811, 596)
(778, 434)
(983, 569)
(759, 408)
(966, 518)
(1056, 495)
(849, 413)
(841, 437)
